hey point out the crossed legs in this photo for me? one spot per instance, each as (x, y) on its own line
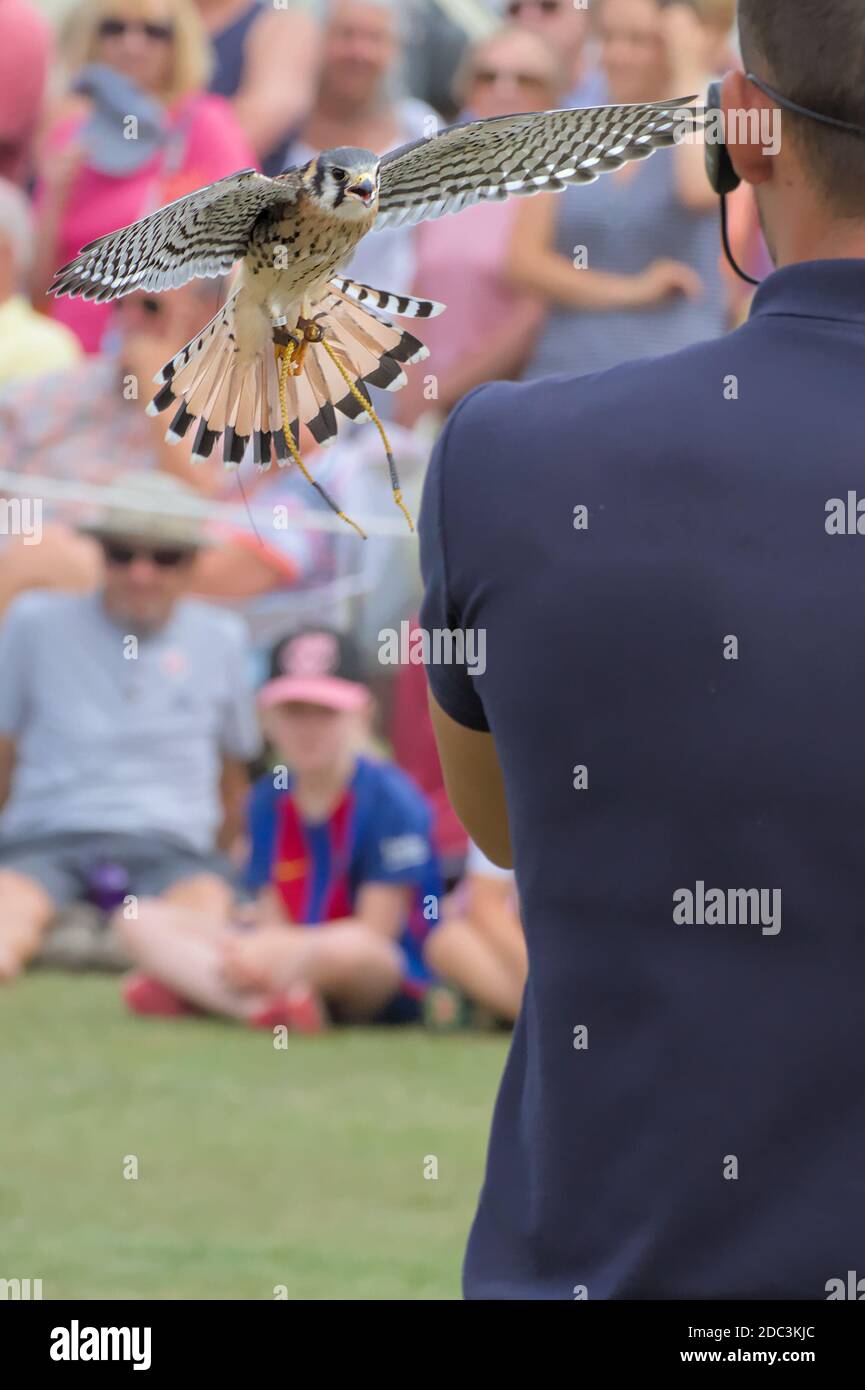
(347, 964)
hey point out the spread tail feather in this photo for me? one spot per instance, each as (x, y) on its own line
(206, 382)
(403, 305)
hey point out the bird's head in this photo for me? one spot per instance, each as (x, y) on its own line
(343, 181)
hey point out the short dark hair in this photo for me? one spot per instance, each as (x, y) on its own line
(813, 51)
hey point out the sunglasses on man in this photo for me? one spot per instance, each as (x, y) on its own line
(162, 556)
(516, 7)
(113, 27)
(488, 77)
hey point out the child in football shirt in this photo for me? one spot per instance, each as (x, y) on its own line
(341, 866)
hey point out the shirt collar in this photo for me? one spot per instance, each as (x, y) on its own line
(814, 290)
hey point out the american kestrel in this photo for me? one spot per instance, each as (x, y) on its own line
(295, 343)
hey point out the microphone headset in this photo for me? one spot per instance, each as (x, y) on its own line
(719, 165)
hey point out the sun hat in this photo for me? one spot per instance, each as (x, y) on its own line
(144, 512)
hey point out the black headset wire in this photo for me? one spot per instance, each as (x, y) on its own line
(728, 250)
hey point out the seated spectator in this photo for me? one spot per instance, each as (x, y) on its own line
(25, 57)
(355, 104)
(125, 724)
(88, 423)
(137, 130)
(567, 28)
(341, 864)
(489, 328)
(30, 344)
(629, 266)
(265, 64)
(479, 946)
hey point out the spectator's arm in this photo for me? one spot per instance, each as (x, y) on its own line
(234, 790)
(7, 766)
(534, 264)
(474, 784)
(279, 76)
(63, 559)
(383, 907)
(237, 571)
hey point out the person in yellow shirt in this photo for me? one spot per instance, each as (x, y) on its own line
(30, 343)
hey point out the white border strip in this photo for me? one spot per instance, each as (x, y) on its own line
(63, 490)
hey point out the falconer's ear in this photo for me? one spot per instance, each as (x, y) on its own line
(746, 113)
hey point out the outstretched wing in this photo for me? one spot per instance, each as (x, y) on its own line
(199, 235)
(532, 152)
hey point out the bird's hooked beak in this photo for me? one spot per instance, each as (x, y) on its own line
(364, 191)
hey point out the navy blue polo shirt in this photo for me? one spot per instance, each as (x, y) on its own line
(675, 682)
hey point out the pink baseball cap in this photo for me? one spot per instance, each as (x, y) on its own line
(315, 666)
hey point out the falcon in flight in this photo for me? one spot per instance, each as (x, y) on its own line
(295, 342)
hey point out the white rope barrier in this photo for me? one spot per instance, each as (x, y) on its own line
(47, 489)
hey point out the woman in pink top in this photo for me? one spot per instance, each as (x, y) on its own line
(489, 327)
(137, 130)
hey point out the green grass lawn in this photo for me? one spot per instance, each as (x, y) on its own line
(257, 1167)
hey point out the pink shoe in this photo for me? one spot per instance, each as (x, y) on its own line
(300, 1010)
(147, 996)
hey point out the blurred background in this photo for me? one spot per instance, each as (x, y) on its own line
(198, 1106)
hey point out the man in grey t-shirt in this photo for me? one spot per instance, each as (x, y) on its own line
(124, 715)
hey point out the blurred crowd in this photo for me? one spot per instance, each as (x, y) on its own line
(202, 754)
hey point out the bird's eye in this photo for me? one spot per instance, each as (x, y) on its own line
(340, 175)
